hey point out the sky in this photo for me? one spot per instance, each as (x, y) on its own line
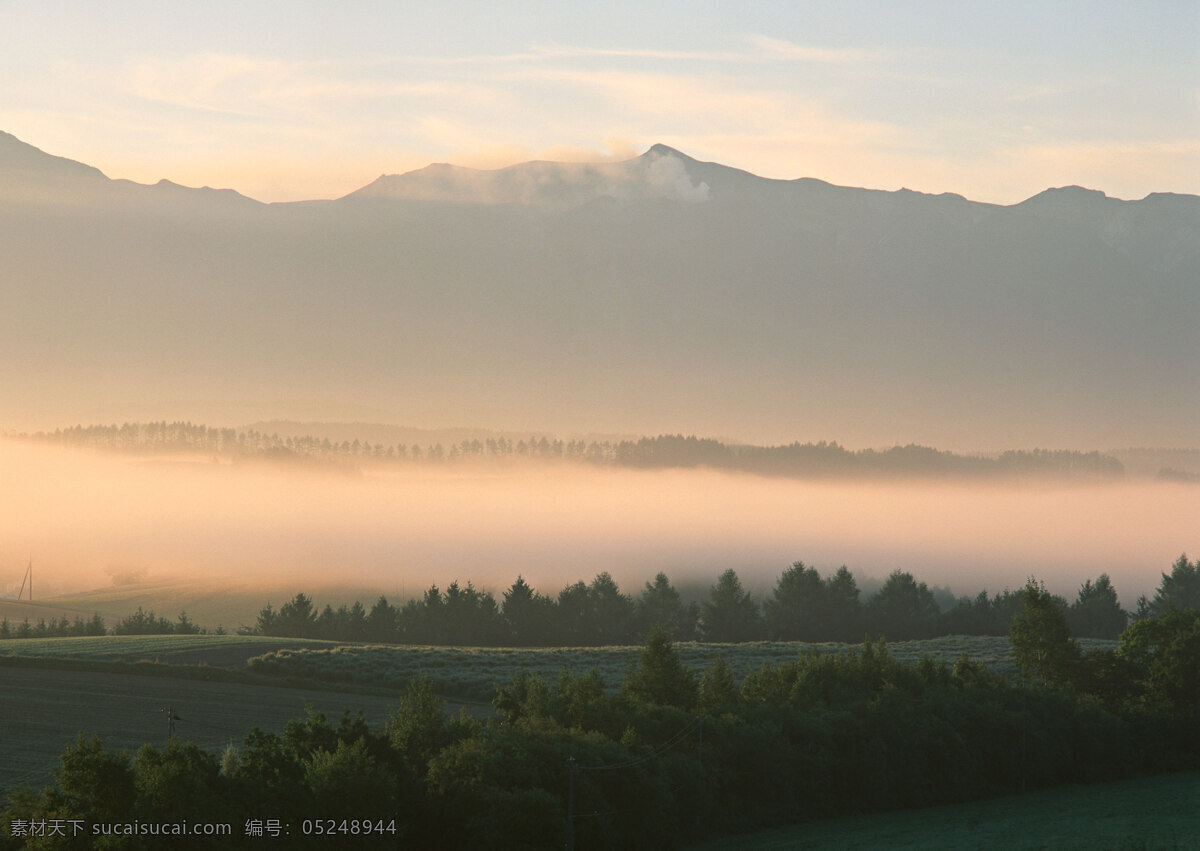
(307, 99)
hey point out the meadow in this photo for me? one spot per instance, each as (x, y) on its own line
(472, 673)
(226, 651)
(461, 673)
(56, 688)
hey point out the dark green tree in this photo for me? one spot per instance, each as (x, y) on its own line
(95, 783)
(1165, 649)
(593, 615)
(611, 611)
(348, 781)
(843, 610)
(798, 609)
(528, 616)
(730, 614)
(1097, 613)
(573, 616)
(659, 676)
(1041, 640)
(382, 625)
(719, 691)
(296, 618)
(419, 726)
(903, 609)
(660, 605)
(470, 617)
(1179, 590)
(180, 779)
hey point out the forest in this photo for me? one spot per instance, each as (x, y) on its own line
(664, 757)
(803, 606)
(808, 460)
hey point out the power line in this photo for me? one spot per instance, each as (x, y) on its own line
(663, 748)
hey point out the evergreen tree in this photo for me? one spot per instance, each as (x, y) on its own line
(729, 613)
(528, 616)
(843, 610)
(610, 610)
(719, 691)
(1180, 590)
(296, 618)
(798, 610)
(1097, 613)
(660, 605)
(903, 609)
(659, 676)
(381, 623)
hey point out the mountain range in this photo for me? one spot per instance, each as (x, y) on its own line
(658, 294)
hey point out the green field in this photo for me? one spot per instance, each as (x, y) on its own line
(1161, 812)
(463, 672)
(222, 685)
(44, 711)
(226, 651)
(473, 672)
(53, 689)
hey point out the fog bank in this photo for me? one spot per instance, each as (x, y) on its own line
(88, 520)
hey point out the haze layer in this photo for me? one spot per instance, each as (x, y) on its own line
(656, 295)
(89, 520)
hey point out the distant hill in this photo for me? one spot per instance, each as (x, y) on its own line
(349, 447)
(656, 295)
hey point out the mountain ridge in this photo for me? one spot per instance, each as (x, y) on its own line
(654, 295)
(16, 154)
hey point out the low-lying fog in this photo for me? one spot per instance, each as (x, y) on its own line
(89, 519)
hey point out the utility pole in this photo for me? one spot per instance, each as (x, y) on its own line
(171, 719)
(572, 769)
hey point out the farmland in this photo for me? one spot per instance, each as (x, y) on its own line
(46, 709)
(222, 685)
(472, 673)
(226, 651)
(119, 688)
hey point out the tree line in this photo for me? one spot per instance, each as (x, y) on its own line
(140, 622)
(809, 460)
(803, 606)
(665, 758)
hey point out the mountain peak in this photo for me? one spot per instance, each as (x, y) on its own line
(1068, 194)
(660, 173)
(660, 150)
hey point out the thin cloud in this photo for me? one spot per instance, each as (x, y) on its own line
(560, 51)
(777, 48)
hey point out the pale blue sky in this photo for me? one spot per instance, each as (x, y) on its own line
(295, 100)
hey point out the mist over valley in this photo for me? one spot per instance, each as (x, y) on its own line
(262, 530)
(654, 295)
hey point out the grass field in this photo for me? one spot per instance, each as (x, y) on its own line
(222, 685)
(474, 672)
(1161, 812)
(44, 710)
(226, 651)
(465, 672)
